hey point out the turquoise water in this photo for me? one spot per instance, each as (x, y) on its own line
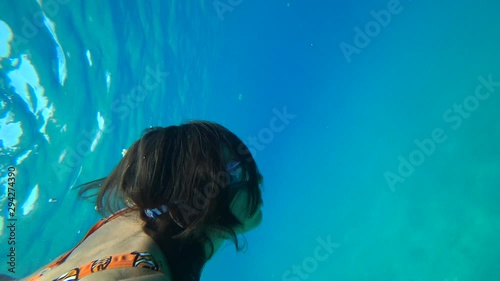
(373, 123)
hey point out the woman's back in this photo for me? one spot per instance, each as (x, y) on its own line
(122, 235)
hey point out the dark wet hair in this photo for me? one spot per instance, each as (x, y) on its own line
(184, 168)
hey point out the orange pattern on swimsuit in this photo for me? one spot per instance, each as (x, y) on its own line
(134, 259)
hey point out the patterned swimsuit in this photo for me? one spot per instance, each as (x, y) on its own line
(133, 259)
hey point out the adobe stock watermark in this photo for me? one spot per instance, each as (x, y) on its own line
(363, 37)
(201, 199)
(454, 116)
(122, 107)
(31, 27)
(223, 6)
(277, 124)
(266, 135)
(310, 264)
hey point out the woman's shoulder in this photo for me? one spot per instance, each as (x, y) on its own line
(115, 241)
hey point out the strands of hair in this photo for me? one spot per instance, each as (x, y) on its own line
(180, 166)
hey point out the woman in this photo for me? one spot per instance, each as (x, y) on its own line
(178, 193)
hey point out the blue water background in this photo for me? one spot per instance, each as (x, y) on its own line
(325, 170)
